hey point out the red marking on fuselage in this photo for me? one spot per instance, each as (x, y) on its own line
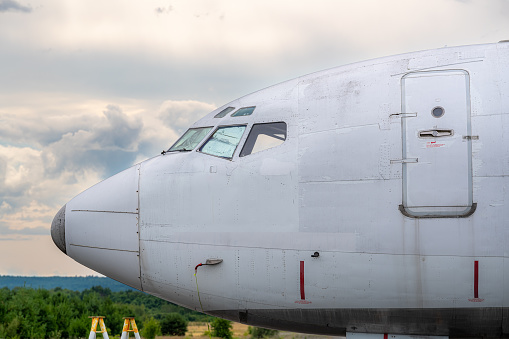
(476, 279)
(476, 298)
(303, 302)
(386, 335)
(302, 293)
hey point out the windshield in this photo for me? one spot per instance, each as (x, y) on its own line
(224, 141)
(190, 139)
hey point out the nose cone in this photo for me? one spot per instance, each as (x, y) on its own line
(99, 228)
(58, 230)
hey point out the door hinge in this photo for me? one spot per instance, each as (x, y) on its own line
(470, 137)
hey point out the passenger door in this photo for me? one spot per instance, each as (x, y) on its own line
(437, 165)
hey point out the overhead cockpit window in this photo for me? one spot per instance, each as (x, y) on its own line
(190, 139)
(241, 112)
(224, 112)
(224, 141)
(264, 136)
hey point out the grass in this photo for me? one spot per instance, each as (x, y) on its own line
(196, 330)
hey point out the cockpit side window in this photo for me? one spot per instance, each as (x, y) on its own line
(264, 136)
(241, 112)
(224, 112)
(224, 141)
(190, 139)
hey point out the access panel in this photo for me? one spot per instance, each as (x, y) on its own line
(437, 166)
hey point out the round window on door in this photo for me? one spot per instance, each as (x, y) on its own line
(438, 112)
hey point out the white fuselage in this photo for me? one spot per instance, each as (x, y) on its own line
(394, 170)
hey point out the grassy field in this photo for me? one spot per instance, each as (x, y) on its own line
(197, 330)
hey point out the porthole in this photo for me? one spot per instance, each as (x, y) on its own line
(437, 112)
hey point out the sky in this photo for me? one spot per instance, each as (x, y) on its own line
(88, 88)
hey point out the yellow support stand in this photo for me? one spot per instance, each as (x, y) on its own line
(125, 331)
(98, 320)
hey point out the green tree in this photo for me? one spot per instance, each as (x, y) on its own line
(260, 332)
(222, 328)
(80, 327)
(12, 329)
(174, 324)
(151, 329)
(60, 313)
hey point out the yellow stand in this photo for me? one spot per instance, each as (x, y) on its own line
(125, 331)
(95, 320)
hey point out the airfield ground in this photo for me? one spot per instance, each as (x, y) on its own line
(197, 330)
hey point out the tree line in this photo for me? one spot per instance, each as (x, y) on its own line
(61, 313)
(70, 283)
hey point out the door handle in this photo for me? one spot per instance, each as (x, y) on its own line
(436, 133)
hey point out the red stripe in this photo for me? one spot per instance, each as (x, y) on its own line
(386, 335)
(302, 294)
(476, 279)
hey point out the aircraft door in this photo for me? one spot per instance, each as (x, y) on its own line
(437, 155)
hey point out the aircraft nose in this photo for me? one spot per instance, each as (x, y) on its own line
(99, 228)
(58, 230)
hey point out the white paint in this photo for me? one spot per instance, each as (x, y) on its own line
(334, 187)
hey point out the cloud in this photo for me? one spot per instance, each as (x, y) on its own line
(46, 159)
(55, 163)
(33, 218)
(105, 52)
(6, 230)
(108, 144)
(163, 10)
(13, 6)
(15, 238)
(42, 154)
(179, 115)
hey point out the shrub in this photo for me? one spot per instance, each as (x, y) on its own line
(260, 332)
(222, 328)
(151, 329)
(174, 324)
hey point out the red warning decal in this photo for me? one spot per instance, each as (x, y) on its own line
(476, 298)
(302, 291)
(433, 144)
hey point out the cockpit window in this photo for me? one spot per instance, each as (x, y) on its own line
(224, 112)
(190, 139)
(264, 136)
(244, 111)
(224, 141)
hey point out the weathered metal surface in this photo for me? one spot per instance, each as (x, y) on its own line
(334, 186)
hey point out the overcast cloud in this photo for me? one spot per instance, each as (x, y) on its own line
(11, 5)
(89, 88)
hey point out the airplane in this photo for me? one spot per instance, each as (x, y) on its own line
(367, 201)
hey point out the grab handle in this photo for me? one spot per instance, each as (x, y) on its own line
(436, 133)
